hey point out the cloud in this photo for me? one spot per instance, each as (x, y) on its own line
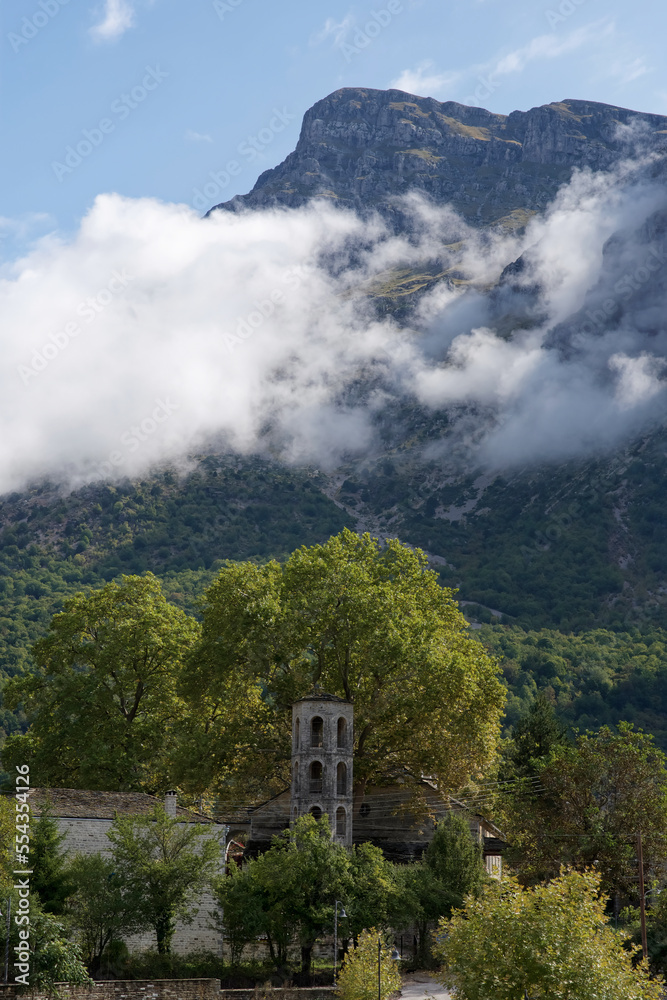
(550, 46)
(337, 30)
(425, 80)
(198, 136)
(152, 333)
(118, 16)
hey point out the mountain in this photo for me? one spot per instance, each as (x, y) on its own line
(538, 547)
(362, 148)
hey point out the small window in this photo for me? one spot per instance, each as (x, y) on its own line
(297, 728)
(296, 776)
(364, 809)
(342, 734)
(341, 779)
(341, 822)
(316, 732)
(316, 776)
(316, 812)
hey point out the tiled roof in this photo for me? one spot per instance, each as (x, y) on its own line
(77, 803)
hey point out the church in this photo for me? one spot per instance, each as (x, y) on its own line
(323, 783)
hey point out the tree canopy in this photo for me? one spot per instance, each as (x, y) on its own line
(591, 798)
(367, 622)
(550, 941)
(103, 700)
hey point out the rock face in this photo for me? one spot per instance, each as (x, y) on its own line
(361, 148)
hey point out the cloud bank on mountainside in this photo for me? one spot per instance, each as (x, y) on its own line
(152, 333)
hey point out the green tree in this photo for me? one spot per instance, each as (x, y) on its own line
(300, 878)
(451, 869)
(241, 917)
(376, 896)
(102, 908)
(534, 736)
(51, 878)
(593, 797)
(367, 622)
(102, 699)
(359, 977)
(165, 864)
(551, 941)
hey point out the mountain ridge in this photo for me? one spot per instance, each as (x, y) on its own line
(360, 148)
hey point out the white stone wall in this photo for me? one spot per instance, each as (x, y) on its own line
(88, 836)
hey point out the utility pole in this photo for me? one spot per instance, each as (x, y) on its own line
(379, 973)
(642, 903)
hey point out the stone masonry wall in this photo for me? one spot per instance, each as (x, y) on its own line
(148, 989)
(88, 836)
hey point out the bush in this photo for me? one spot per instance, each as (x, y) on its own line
(550, 941)
(358, 978)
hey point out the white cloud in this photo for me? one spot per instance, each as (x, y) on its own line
(198, 136)
(425, 80)
(117, 17)
(151, 333)
(337, 30)
(551, 46)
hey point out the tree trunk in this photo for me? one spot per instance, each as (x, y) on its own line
(306, 958)
(164, 931)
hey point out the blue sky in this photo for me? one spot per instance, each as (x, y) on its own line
(220, 81)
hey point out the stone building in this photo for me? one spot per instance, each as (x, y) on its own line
(84, 818)
(322, 741)
(322, 783)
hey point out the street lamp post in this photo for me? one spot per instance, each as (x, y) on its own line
(343, 914)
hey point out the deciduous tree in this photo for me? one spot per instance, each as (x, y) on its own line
(165, 864)
(550, 941)
(367, 622)
(103, 700)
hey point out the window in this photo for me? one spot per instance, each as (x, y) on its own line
(365, 809)
(316, 776)
(341, 779)
(296, 777)
(316, 732)
(316, 812)
(296, 733)
(341, 822)
(342, 733)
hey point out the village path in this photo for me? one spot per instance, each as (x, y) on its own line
(422, 987)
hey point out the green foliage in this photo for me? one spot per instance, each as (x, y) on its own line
(593, 679)
(289, 892)
(552, 941)
(451, 868)
(55, 958)
(164, 864)
(533, 738)
(369, 623)
(102, 907)
(360, 978)
(51, 878)
(103, 698)
(593, 796)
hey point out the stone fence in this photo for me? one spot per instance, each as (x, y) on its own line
(284, 993)
(123, 989)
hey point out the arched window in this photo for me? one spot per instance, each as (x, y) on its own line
(342, 733)
(296, 776)
(316, 731)
(341, 822)
(316, 812)
(316, 776)
(341, 779)
(296, 733)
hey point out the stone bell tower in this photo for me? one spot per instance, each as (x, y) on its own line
(322, 741)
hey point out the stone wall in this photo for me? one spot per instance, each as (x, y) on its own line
(148, 989)
(89, 836)
(287, 993)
